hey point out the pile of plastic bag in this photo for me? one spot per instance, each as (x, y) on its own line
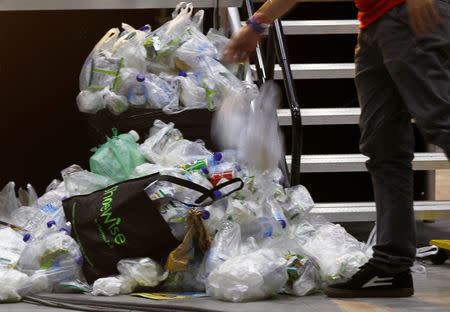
(264, 240)
(174, 67)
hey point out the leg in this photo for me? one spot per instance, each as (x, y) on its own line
(420, 69)
(387, 139)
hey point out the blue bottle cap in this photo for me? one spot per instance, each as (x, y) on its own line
(182, 73)
(26, 237)
(65, 197)
(64, 230)
(206, 215)
(144, 28)
(140, 77)
(205, 170)
(237, 167)
(217, 156)
(79, 260)
(217, 194)
(283, 223)
(51, 223)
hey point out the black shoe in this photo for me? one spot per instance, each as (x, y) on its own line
(370, 281)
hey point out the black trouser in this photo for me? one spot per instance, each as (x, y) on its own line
(399, 76)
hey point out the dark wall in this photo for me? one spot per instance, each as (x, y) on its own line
(41, 55)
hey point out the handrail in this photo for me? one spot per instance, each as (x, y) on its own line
(277, 40)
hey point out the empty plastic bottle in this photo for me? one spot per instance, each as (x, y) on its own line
(261, 228)
(137, 92)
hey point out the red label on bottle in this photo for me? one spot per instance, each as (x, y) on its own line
(216, 177)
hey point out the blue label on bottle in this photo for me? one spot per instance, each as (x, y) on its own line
(268, 232)
(49, 209)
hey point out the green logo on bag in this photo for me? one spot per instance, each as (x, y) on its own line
(111, 224)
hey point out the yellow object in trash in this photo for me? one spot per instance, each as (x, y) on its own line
(441, 243)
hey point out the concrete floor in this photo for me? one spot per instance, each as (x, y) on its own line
(432, 294)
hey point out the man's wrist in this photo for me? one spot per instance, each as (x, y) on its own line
(257, 23)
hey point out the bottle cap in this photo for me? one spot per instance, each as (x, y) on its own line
(64, 230)
(26, 237)
(205, 170)
(134, 134)
(140, 77)
(79, 260)
(217, 156)
(237, 167)
(182, 73)
(145, 28)
(51, 223)
(206, 215)
(283, 223)
(217, 194)
(64, 198)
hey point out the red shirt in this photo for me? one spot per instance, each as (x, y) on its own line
(371, 10)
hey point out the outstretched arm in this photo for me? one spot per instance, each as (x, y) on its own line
(245, 40)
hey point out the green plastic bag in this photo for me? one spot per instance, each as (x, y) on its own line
(118, 157)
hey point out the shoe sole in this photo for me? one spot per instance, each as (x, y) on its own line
(342, 293)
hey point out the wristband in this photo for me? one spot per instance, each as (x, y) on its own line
(257, 24)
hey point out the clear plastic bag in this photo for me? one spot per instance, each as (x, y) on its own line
(304, 277)
(163, 91)
(161, 135)
(79, 182)
(298, 202)
(338, 254)
(8, 201)
(11, 246)
(129, 47)
(254, 276)
(226, 245)
(91, 101)
(105, 44)
(48, 260)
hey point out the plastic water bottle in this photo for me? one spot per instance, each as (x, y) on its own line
(261, 228)
(277, 213)
(138, 93)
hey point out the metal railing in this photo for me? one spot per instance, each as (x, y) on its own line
(265, 64)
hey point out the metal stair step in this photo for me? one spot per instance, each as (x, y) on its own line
(319, 27)
(356, 162)
(351, 212)
(42, 5)
(317, 71)
(322, 116)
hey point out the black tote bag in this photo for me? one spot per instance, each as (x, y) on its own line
(121, 221)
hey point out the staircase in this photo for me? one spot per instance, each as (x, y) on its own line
(345, 212)
(345, 163)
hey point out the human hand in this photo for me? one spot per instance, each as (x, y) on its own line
(423, 16)
(242, 43)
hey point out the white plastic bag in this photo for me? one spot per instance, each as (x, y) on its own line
(144, 271)
(248, 277)
(13, 284)
(113, 286)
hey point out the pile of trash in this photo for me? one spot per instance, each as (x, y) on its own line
(235, 243)
(174, 67)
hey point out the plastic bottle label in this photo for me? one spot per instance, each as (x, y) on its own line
(216, 177)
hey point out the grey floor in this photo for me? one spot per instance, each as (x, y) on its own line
(432, 292)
